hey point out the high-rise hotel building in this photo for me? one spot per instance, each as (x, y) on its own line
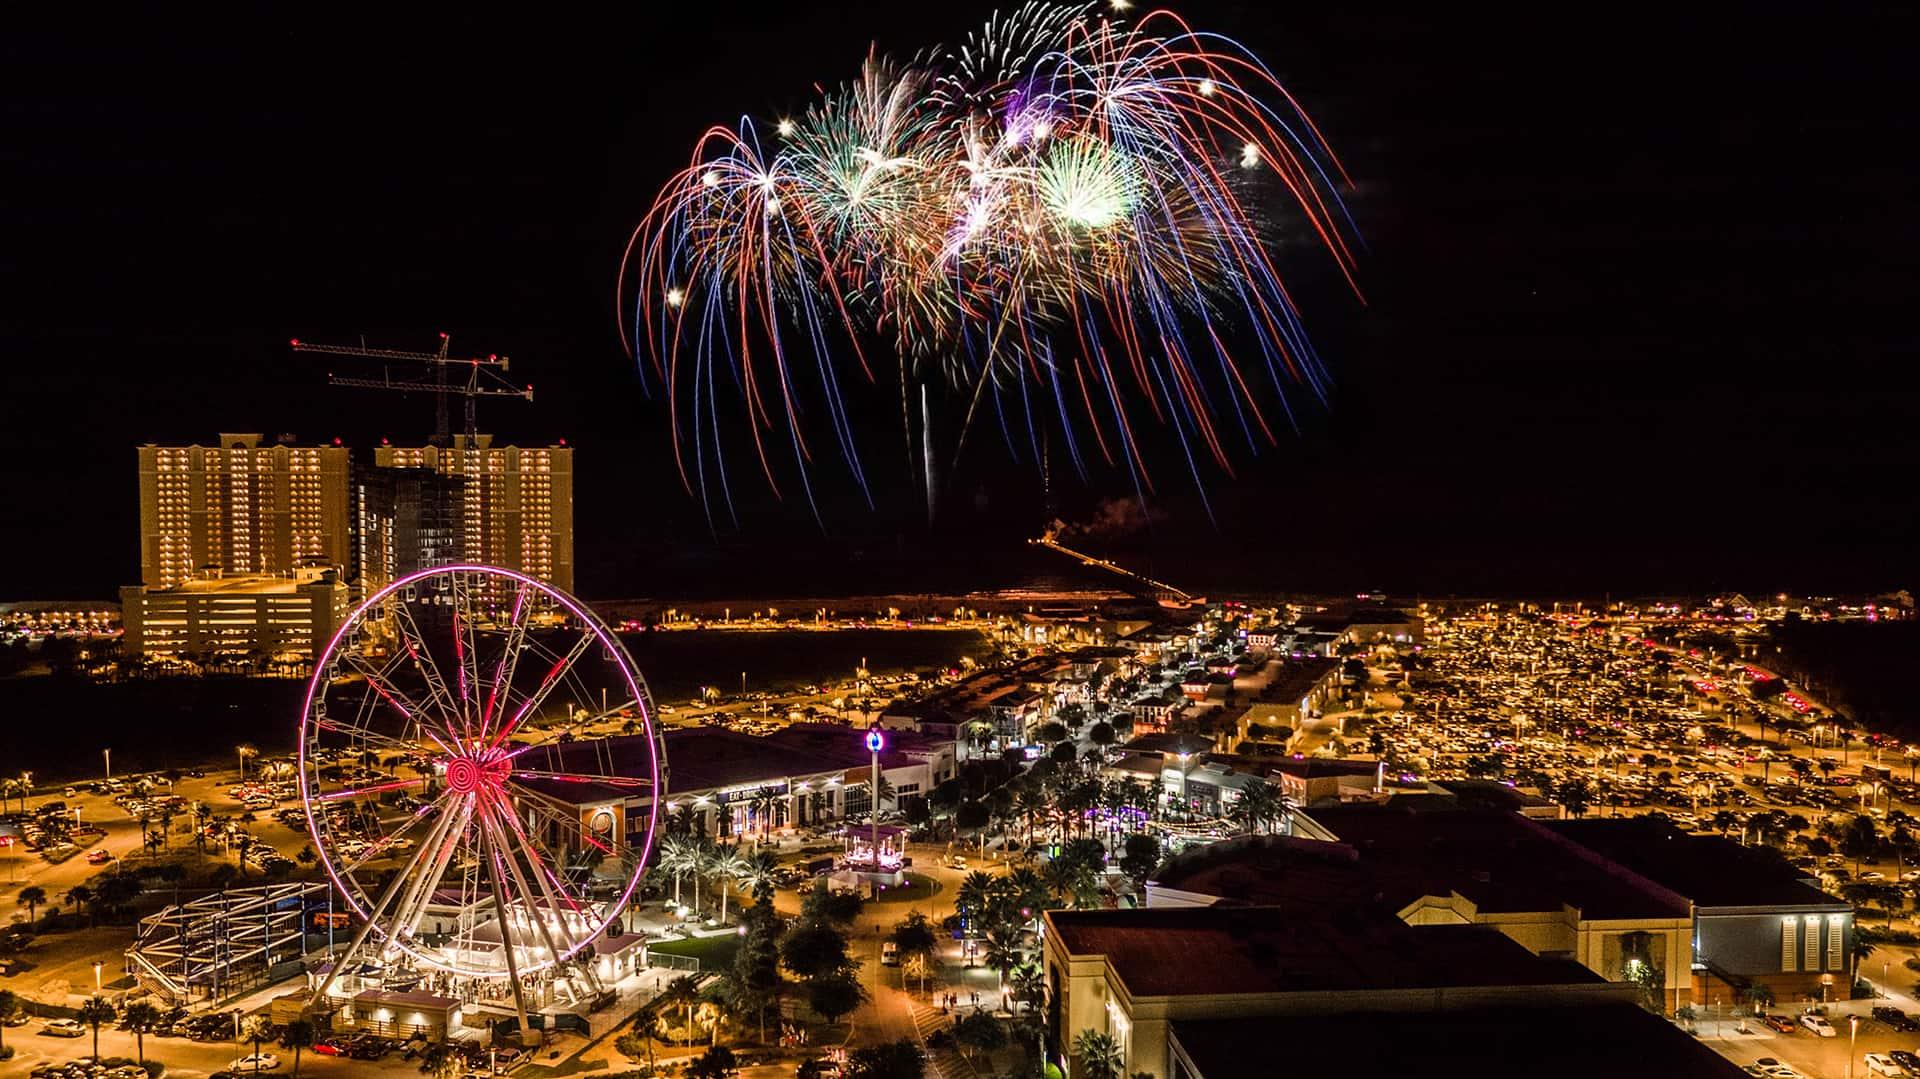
(241, 547)
(240, 508)
(515, 503)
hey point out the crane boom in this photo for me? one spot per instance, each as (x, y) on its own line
(484, 377)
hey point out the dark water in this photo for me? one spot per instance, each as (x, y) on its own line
(56, 728)
(1864, 668)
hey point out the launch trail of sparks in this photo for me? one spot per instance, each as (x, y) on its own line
(1067, 219)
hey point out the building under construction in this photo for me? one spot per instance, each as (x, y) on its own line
(209, 949)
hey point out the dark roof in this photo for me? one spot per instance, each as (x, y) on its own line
(701, 758)
(1321, 767)
(1490, 794)
(1710, 870)
(1169, 743)
(1341, 618)
(1275, 950)
(1270, 870)
(1593, 1041)
(1296, 679)
(1501, 861)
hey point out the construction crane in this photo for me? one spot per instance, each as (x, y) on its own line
(484, 378)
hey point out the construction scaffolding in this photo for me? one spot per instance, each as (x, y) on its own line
(208, 949)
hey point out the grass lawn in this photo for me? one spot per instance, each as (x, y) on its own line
(715, 953)
(918, 887)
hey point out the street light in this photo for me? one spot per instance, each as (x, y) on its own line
(106, 759)
(875, 740)
(96, 975)
(1853, 1035)
(243, 752)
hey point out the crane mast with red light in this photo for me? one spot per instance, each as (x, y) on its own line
(485, 378)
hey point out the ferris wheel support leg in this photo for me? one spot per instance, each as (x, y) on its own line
(413, 906)
(492, 858)
(360, 935)
(534, 915)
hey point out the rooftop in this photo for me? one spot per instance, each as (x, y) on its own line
(1595, 1041)
(1502, 862)
(1340, 618)
(1278, 949)
(1710, 870)
(705, 758)
(1295, 679)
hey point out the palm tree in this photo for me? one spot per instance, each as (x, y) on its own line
(31, 897)
(200, 814)
(1726, 820)
(1258, 804)
(141, 1017)
(298, 1035)
(764, 805)
(1860, 840)
(644, 1022)
(682, 992)
(81, 895)
(94, 1012)
(1003, 954)
(1029, 987)
(973, 895)
(726, 865)
(676, 857)
(255, 1030)
(756, 875)
(1099, 1055)
(9, 1004)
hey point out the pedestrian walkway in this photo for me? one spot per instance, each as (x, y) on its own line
(941, 1063)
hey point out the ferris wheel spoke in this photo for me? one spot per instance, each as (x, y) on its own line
(567, 825)
(379, 847)
(508, 664)
(547, 683)
(362, 792)
(538, 857)
(404, 876)
(582, 777)
(421, 655)
(382, 684)
(466, 653)
(406, 916)
(366, 734)
(530, 899)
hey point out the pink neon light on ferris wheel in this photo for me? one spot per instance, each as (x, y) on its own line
(479, 766)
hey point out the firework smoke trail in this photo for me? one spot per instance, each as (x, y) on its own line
(1065, 206)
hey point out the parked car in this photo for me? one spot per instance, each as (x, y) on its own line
(1896, 1018)
(1783, 1024)
(64, 1028)
(1773, 1069)
(1882, 1064)
(1819, 1025)
(253, 1062)
(1907, 1060)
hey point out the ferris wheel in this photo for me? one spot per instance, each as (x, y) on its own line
(482, 778)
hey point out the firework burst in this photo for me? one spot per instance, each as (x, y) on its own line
(1062, 220)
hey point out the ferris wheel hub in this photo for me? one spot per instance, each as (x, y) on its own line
(467, 774)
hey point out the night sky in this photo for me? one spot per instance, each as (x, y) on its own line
(1640, 288)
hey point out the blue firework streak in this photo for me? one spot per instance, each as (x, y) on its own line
(1065, 206)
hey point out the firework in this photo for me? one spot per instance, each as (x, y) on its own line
(1069, 217)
